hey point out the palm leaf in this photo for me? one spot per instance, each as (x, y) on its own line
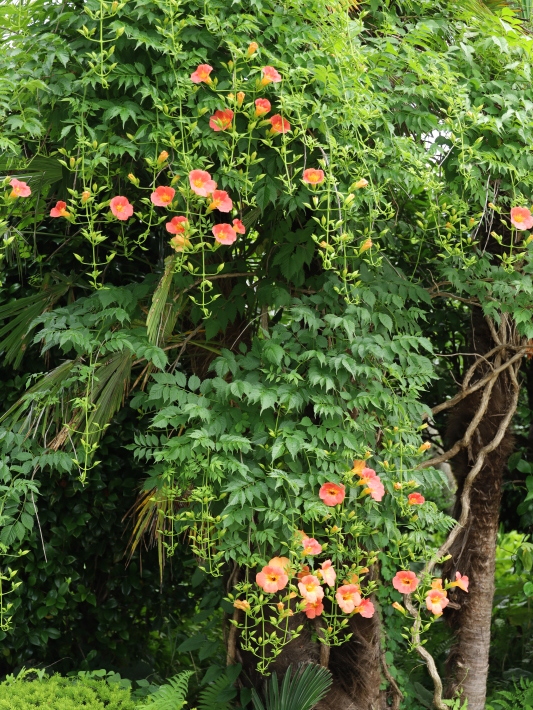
(155, 321)
(15, 335)
(46, 393)
(151, 512)
(300, 690)
(106, 397)
(50, 398)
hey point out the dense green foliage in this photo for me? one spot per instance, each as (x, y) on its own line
(228, 382)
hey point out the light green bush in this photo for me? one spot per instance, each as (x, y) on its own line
(57, 693)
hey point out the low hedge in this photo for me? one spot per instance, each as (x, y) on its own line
(58, 693)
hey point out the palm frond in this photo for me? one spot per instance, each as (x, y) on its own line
(106, 397)
(15, 335)
(151, 513)
(300, 690)
(51, 399)
(45, 394)
(155, 321)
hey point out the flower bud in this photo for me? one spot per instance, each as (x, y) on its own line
(240, 98)
(424, 447)
(252, 49)
(360, 183)
(163, 155)
(366, 245)
(133, 179)
(85, 196)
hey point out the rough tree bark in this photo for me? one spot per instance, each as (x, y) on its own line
(473, 551)
(355, 665)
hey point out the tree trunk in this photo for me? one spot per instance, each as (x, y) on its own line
(473, 552)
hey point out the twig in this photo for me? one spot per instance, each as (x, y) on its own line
(428, 658)
(479, 384)
(37, 516)
(326, 160)
(212, 278)
(397, 693)
(463, 443)
(446, 294)
(184, 345)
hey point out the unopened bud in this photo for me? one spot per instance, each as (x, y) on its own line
(366, 245)
(72, 162)
(240, 98)
(85, 196)
(252, 48)
(163, 155)
(424, 447)
(360, 183)
(133, 179)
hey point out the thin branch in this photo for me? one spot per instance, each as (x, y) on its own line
(469, 482)
(465, 441)
(212, 278)
(470, 372)
(397, 693)
(479, 384)
(446, 294)
(428, 658)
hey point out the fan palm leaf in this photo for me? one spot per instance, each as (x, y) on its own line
(300, 690)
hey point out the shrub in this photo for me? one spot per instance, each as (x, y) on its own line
(521, 696)
(58, 693)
